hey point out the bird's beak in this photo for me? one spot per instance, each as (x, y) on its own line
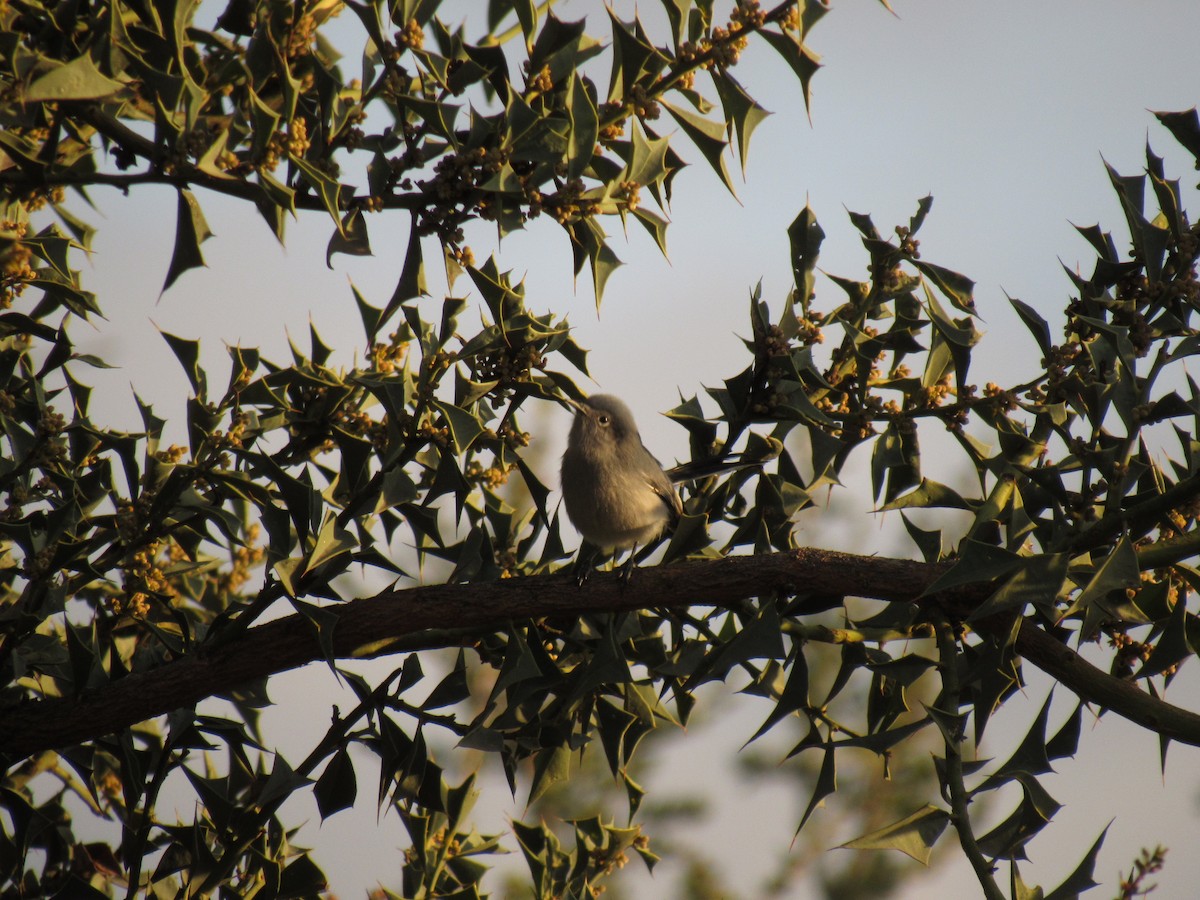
(574, 405)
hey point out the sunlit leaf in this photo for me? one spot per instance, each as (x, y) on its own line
(77, 80)
(914, 835)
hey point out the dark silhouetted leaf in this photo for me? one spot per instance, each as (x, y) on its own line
(1185, 126)
(805, 237)
(1117, 572)
(190, 232)
(1082, 878)
(351, 239)
(826, 785)
(337, 788)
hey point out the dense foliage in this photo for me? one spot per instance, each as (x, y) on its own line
(136, 576)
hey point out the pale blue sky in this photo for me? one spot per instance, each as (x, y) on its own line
(1001, 111)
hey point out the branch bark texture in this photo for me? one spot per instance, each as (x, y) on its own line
(437, 615)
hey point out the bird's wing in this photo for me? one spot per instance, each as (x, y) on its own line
(669, 496)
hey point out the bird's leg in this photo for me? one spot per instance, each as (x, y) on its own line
(630, 565)
(645, 552)
(585, 561)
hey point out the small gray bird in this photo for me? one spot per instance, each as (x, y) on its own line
(616, 492)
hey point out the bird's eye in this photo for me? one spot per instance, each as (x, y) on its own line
(603, 419)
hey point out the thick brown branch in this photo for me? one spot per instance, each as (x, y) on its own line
(437, 615)
(1097, 686)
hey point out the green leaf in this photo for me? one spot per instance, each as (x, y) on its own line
(633, 57)
(281, 783)
(928, 542)
(1065, 742)
(464, 427)
(918, 219)
(190, 232)
(558, 44)
(612, 722)
(803, 61)
(761, 638)
(792, 698)
(412, 275)
(655, 224)
(588, 244)
(742, 113)
(998, 671)
(550, 766)
(372, 317)
(928, 494)
(914, 835)
(977, 562)
(1037, 581)
(1105, 591)
(648, 157)
(896, 456)
(1101, 242)
(1174, 645)
(275, 203)
(1008, 839)
(527, 15)
(519, 665)
(1022, 891)
(77, 80)
(1030, 758)
(188, 354)
(1037, 326)
(460, 801)
(332, 541)
(709, 138)
(959, 289)
(952, 337)
(1149, 240)
(328, 188)
(52, 246)
(585, 126)
(607, 666)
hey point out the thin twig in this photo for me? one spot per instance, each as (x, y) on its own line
(955, 785)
